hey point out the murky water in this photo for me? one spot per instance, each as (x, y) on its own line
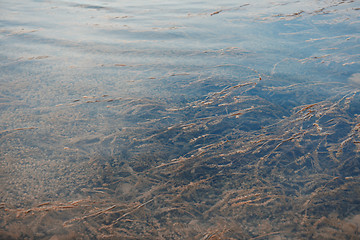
(179, 119)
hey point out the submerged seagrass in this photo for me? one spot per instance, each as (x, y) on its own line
(181, 120)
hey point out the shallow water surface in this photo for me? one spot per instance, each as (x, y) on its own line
(179, 119)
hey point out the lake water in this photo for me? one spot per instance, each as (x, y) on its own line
(179, 119)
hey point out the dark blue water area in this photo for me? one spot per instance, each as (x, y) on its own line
(179, 120)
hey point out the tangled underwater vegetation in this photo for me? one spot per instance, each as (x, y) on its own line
(230, 150)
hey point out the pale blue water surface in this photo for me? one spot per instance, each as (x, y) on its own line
(179, 119)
